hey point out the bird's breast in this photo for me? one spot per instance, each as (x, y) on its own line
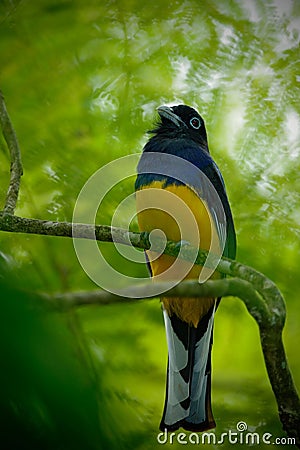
(178, 212)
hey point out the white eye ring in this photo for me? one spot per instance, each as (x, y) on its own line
(195, 123)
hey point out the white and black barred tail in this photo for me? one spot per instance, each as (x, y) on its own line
(188, 391)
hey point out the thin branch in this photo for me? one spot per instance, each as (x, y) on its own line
(104, 233)
(189, 288)
(16, 170)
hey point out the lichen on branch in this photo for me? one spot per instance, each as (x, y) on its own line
(16, 169)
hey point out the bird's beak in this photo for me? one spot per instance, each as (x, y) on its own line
(167, 113)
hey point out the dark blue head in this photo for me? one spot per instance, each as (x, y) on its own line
(181, 121)
(180, 132)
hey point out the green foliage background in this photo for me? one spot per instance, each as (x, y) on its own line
(82, 80)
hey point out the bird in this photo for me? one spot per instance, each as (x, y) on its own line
(176, 164)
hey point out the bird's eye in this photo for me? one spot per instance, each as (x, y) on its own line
(195, 123)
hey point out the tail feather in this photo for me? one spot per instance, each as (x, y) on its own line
(187, 402)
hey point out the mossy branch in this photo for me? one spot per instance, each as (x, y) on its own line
(260, 295)
(16, 169)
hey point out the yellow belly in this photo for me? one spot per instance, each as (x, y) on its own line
(192, 222)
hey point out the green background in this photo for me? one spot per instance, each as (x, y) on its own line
(82, 80)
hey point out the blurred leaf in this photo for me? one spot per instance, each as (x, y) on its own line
(50, 399)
